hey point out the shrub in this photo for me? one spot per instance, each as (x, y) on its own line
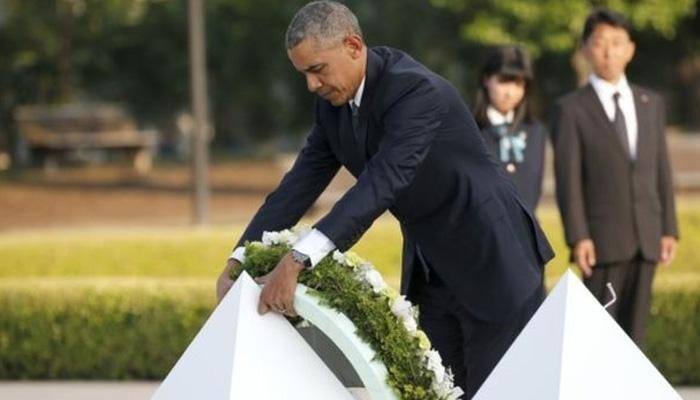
(98, 330)
(138, 328)
(673, 338)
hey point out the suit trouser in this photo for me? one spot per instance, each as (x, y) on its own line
(632, 282)
(470, 347)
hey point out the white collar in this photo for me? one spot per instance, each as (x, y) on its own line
(358, 95)
(606, 89)
(496, 118)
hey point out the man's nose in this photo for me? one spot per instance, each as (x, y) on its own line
(312, 83)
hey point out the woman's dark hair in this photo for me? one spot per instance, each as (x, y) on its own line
(510, 63)
(607, 17)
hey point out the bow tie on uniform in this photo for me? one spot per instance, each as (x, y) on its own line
(512, 145)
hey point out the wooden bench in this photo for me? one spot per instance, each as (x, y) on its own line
(54, 131)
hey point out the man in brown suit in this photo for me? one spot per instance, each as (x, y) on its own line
(614, 187)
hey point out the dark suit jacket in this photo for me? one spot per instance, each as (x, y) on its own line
(528, 174)
(623, 206)
(420, 155)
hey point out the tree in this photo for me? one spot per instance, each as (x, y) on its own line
(550, 30)
(555, 25)
(48, 46)
(134, 52)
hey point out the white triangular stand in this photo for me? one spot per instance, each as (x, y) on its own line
(239, 354)
(573, 350)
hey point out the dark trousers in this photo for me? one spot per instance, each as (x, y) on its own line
(631, 281)
(470, 347)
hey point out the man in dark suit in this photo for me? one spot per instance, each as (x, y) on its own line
(613, 177)
(473, 254)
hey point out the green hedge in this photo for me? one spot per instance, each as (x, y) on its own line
(137, 328)
(673, 339)
(105, 330)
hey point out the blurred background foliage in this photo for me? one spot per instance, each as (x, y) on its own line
(134, 52)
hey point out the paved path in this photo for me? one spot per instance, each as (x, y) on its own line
(89, 390)
(78, 390)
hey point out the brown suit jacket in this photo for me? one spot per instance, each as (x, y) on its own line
(623, 206)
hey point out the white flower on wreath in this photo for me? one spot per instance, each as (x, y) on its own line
(435, 365)
(446, 388)
(270, 238)
(404, 310)
(401, 307)
(372, 277)
(443, 384)
(339, 257)
(410, 324)
(288, 237)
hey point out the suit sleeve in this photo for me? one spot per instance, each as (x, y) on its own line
(568, 169)
(314, 168)
(665, 180)
(410, 125)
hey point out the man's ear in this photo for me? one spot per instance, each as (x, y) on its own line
(632, 48)
(354, 44)
(585, 51)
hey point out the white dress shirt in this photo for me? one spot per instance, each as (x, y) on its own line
(605, 91)
(314, 244)
(496, 118)
(358, 95)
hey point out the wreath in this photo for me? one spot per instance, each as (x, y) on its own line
(384, 319)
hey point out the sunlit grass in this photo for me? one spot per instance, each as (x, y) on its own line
(197, 253)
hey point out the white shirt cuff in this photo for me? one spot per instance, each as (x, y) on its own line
(315, 245)
(238, 254)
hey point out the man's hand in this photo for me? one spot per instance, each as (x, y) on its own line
(584, 256)
(668, 244)
(280, 284)
(224, 283)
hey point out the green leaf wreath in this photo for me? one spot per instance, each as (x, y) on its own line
(383, 318)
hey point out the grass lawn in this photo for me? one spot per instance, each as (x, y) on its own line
(198, 254)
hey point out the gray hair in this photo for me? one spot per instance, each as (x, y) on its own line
(327, 22)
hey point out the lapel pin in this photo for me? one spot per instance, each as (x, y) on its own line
(644, 98)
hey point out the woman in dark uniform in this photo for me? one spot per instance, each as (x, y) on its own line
(511, 133)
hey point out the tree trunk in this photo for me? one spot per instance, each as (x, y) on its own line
(63, 62)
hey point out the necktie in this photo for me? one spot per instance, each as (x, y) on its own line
(355, 112)
(620, 125)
